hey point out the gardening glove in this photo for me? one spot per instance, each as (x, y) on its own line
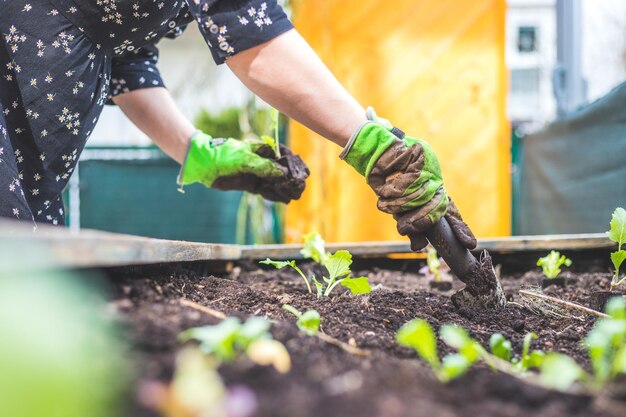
(230, 164)
(404, 173)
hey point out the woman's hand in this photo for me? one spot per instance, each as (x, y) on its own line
(231, 164)
(404, 173)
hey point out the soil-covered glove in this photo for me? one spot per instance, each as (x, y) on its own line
(230, 164)
(404, 173)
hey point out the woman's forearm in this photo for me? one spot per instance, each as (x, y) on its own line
(288, 74)
(285, 72)
(155, 113)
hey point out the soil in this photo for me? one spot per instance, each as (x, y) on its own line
(391, 381)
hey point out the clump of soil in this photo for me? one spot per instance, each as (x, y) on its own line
(327, 381)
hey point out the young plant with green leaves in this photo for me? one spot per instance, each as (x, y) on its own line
(469, 350)
(618, 235)
(420, 336)
(292, 264)
(503, 349)
(273, 142)
(560, 371)
(606, 343)
(606, 347)
(231, 338)
(552, 262)
(308, 322)
(434, 268)
(337, 265)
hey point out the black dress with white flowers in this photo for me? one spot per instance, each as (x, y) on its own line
(62, 60)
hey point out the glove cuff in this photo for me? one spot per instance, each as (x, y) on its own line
(182, 179)
(368, 143)
(371, 117)
(346, 149)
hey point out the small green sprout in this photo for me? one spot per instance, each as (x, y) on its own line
(196, 388)
(433, 263)
(228, 338)
(308, 322)
(551, 264)
(419, 335)
(435, 269)
(273, 142)
(457, 338)
(606, 342)
(530, 359)
(618, 235)
(314, 248)
(560, 371)
(502, 348)
(337, 265)
(292, 264)
(606, 347)
(231, 338)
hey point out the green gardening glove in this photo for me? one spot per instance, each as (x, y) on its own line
(404, 173)
(230, 164)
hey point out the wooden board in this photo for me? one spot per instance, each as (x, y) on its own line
(89, 248)
(495, 245)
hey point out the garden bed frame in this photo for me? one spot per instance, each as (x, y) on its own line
(95, 249)
(161, 287)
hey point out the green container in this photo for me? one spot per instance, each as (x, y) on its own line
(517, 159)
(134, 191)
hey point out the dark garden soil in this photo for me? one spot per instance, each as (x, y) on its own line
(326, 381)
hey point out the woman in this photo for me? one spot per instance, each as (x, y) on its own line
(62, 60)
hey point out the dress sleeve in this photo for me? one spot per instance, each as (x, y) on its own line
(135, 70)
(232, 26)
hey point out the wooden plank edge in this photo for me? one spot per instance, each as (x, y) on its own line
(91, 248)
(503, 245)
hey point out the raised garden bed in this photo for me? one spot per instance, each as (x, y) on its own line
(390, 381)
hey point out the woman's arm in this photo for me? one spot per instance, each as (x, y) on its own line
(287, 74)
(154, 111)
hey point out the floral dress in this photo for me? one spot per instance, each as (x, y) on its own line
(62, 60)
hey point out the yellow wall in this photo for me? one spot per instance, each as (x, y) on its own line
(436, 70)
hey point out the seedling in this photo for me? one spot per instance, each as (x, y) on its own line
(529, 359)
(273, 142)
(231, 338)
(308, 322)
(314, 248)
(502, 348)
(606, 347)
(419, 335)
(434, 268)
(560, 371)
(292, 264)
(337, 265)
(470, 349)
(618, 235)
(196, 388)
(606, 342)
(551, 264)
